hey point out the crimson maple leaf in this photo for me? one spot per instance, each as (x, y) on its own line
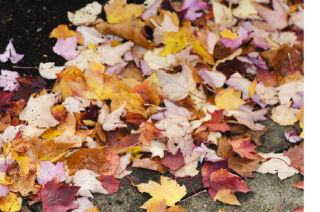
(173, 162)
(110, 183)
(55, 198)
(244, 148)
(215, 123)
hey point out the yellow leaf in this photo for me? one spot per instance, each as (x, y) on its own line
(4, 179)
(102, 86)
(176, 41)
(136, 152)
(10, 203)
(202, 51)
(252, 88)
(134, 102)
(64, 32)
(228, 34)
(119, 11)
(227, 197)
(229, 99)
(26, 163)
(51, 133)
(168, 190)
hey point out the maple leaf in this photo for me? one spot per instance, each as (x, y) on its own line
(147, 163)
(276, 19)
(86, 14)
(55, 198)
(285, 115)
(173, 161)
(97, 160)
(148, 132)
(157, 148)
(132, 30)
(38, 111)
(49, 171)
(296, 155)
(111, 55)
(242, 166)
(8, 80)
(192, 6)
(10, 53)
(176, 86)
(86, 180)
(176, 41)
(25, 185)
(277, 163)
(244, 148)
(168, 190)
(120, 11)
(214, 79)
(216, 122)
(49, 70)
(66, 48)
(109, 183)
(228, 99)
(26, 163)
(111, 121)
(62, 31)
(10, 203)
(223, 184)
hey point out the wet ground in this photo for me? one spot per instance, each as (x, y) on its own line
(29, 23)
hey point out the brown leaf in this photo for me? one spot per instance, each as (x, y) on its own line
(224, 147)
(132, 30)
(296, 155)
(49, 150)
(147, 163)
(242, 166)
(5, 121)
(121, 146)
(100, 161)
(23, 184)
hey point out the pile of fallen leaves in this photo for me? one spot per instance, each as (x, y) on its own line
(177, 87)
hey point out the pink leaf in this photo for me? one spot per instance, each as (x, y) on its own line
(243, 35)
(48, 171)
(8, 80)
(10, 53)
(66, 48)
(192, 6)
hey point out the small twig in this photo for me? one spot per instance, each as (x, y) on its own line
(278, 209)
(193, 195)
(24, 67)
(290, 62)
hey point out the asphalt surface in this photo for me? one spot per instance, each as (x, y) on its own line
(29, 22)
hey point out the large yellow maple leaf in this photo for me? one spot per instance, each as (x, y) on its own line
(176, 41)
(229, 99)
(119, 11)
(168, 190)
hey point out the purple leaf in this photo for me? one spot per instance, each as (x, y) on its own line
(10, 53)
(192, 6)
(48, 171)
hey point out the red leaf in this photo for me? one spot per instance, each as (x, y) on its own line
(5, 98)
(223, 179)
(173, 162)
(55, 198)
(215, 123)
(148, 132)
(135, 118)
(299, 209)
(210, 167)
(110, 183)
(244, 148)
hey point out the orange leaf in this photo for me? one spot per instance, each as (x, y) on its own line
(64, 32)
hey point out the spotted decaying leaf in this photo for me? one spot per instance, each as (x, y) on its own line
(162, 86)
